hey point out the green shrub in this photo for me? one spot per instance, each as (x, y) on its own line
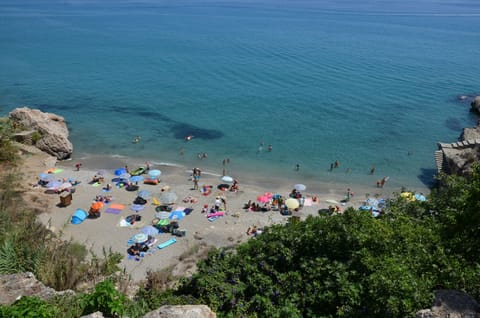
(36, 136)
(29, 307)
(105, 298)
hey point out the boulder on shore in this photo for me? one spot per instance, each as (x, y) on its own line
(51, 128)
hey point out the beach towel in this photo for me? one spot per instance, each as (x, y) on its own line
(308, 202)
(115, 208)
(216, 214)
(167, 243)
(211, 219)
(187, 211)
(54, 170)
(96, 184)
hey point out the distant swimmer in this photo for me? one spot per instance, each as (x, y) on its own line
(136, 139)
(189, 137)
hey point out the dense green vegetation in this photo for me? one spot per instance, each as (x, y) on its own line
(349, 265)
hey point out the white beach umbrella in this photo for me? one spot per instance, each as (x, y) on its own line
(331, 201)
(300, 187)
(227, 179)
(140, 238)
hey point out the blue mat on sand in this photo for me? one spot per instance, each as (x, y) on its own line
(213, 218)
(187, 211)
(167, 243)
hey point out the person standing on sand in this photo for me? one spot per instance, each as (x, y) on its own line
(78, 165)
(196, 178)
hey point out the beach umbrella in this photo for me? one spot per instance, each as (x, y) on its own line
(137, 207)
(46, 176)
(227, 179)
(144, 194)
(136, 178)
(292, 203)
(97, 205)
(54, 184)
(162, 215)
(300, 187)
(176, 215)
(140, 238)
(154, 173)
(150, 230)
(168, 197)
(223, 186)
(371, 201)
(331, 201)
(124, 176)
(263, 199)
(420, 197)
(65, 185)
(120, 171)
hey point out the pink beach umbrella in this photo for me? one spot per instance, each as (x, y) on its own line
(263, 198)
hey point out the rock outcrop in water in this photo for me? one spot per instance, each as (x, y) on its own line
(50, 131)
(458, 157)
(475, 104)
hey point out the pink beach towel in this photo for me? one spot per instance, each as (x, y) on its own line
(308, 202)
(212, 215)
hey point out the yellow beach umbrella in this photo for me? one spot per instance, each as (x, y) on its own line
(292, 203)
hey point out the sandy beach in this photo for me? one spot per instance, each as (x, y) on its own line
(106, 232)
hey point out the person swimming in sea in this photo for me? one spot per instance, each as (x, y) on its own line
(136, 139)
(188, 138)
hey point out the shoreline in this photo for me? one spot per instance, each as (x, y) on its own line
(105, 231)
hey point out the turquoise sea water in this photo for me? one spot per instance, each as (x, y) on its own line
(362, 82)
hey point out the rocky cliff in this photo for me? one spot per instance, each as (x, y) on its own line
(15, 286)
(50, 131)
(458, 157)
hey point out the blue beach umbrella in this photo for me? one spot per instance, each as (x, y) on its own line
(54, 184)
(124, 176)
(137, 207)
(176, 215)
(144, 194)
(150, 230)
(136, 178)
(120, 171)
(154, 173)
(420, 197)
(46, 176)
